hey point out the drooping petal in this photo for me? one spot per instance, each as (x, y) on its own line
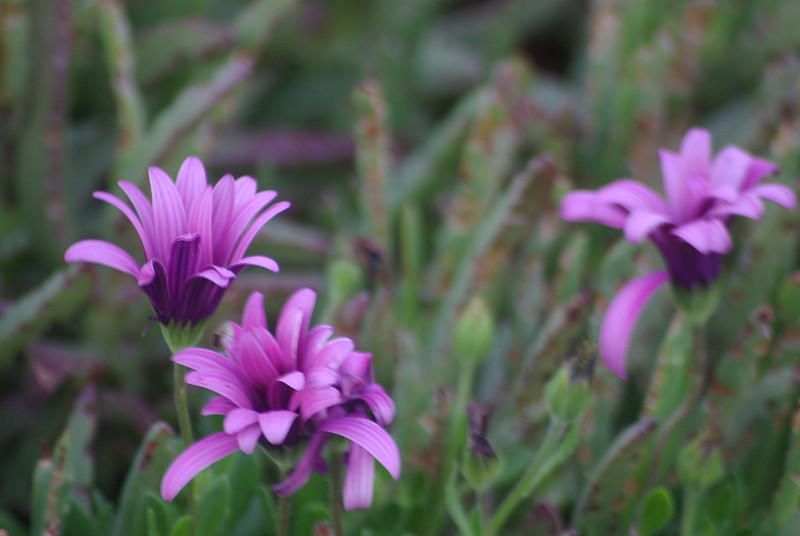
(191, 180)
(258, 223)
(219, 405)
(359, 480)
(585, 206)
(254, 315)
(247, 439)
(275, 425)
(258, 260)
(169, 213)
(730, 166)
(101, 252)
(305, 465)
(759, 168)
(745, 205)
(621, 316)
(133, 218)
(238, 419)
(706, 236)
(380, 403)
(632, 195)
(371, 436)
(777, 193)
(193, 460)
(641, 223)
(218, 275)
(314, 401)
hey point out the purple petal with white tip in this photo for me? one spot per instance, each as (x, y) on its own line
(621, 316)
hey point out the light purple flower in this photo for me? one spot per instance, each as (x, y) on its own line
(690, 228)
(296, 387)
(194, 238)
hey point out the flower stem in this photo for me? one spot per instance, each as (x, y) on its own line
(185, 424)
(532, 477)
(336, 493)
(284, 508)
(486, 514)
(691, 500)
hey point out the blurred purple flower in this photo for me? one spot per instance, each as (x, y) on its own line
(690, 228)
(299, 385)
(194, 239)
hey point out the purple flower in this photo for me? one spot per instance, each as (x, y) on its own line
(194, 238)
(690, 228)
(298, 386)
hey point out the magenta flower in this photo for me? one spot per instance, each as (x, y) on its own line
(297, 387)
(690, 228)
(194, 239)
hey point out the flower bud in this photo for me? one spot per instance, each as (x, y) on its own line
(480, 465)
(567, 395)
(473, 334)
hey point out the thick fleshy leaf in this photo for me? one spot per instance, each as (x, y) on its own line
(706, 236)
(641, 223)
(275, 425)
(101, 252)
(305, 465)
(370, 436)
(621, 316)
(133, 218)
(360, 478)
(193, 460)
(254, 314)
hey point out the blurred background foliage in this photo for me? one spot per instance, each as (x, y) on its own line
(424, 145)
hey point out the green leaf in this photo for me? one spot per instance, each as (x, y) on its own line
(182, 527)
(657, 510)
(212, 507)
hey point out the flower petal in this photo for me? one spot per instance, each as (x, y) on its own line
(193, 460)
(620, 319)
(759, 168)
(223, 214)
(238, 419)
(641, 223)
(258, 260)
(145, 211)
(133, 218)
(219, 405)
(380, 403)
(696, 152)
(370, 436)
(199, 221)
(777, 193)
(632, 195)
(331, 355)
(203, 359)
(275, 425)
(730, 166)
(360, 479)
(254, 314)
(316, 400)
(706, 236)
(585, 206)
(224, 384)
(191, 180)
(105, 253)
(248, 438)
(294, 319)
(169, 213)
(745, 205)
(255, 227)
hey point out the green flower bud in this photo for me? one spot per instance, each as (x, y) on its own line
(700, 464)
(567, 396)
(180, 336)
(480, 465)
(473, 334)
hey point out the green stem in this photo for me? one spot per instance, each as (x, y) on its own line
(284, 509)
(532, 477)
(691, 500)
(486, 514)
(185, 424)
(336, 493)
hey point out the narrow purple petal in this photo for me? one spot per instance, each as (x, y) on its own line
(245, 188)
(279, 356)
(169, 213)
(144, 209)
(153, 281)
(105, 253)
(620, 319)
(745, 205)
(673, 178)
(247, 439)
(199, 221)
(238, 419)
(203, 359)
(318, 400)
(218, 275)
(219, 405)
(258, 260)
(275, 425)
(133, 218)
(321, 377)
(224, 384)
(357, 364)
(730, 166)
(380, 403)
(191, 180)
(759, 168)
(255, 227)
(317, 338)
(641, 223)
(360, 479)
(294, 319)
(370, 436)
(332, 354)
(696, 152)
(585, 206)
(224, 234)
(706, 236)
(256, 365)
(302, 471)
(182, 265)
(631, 195)
(777, 193)
(254, 314)
(245, 209)
(193, 460)
(296, 380)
